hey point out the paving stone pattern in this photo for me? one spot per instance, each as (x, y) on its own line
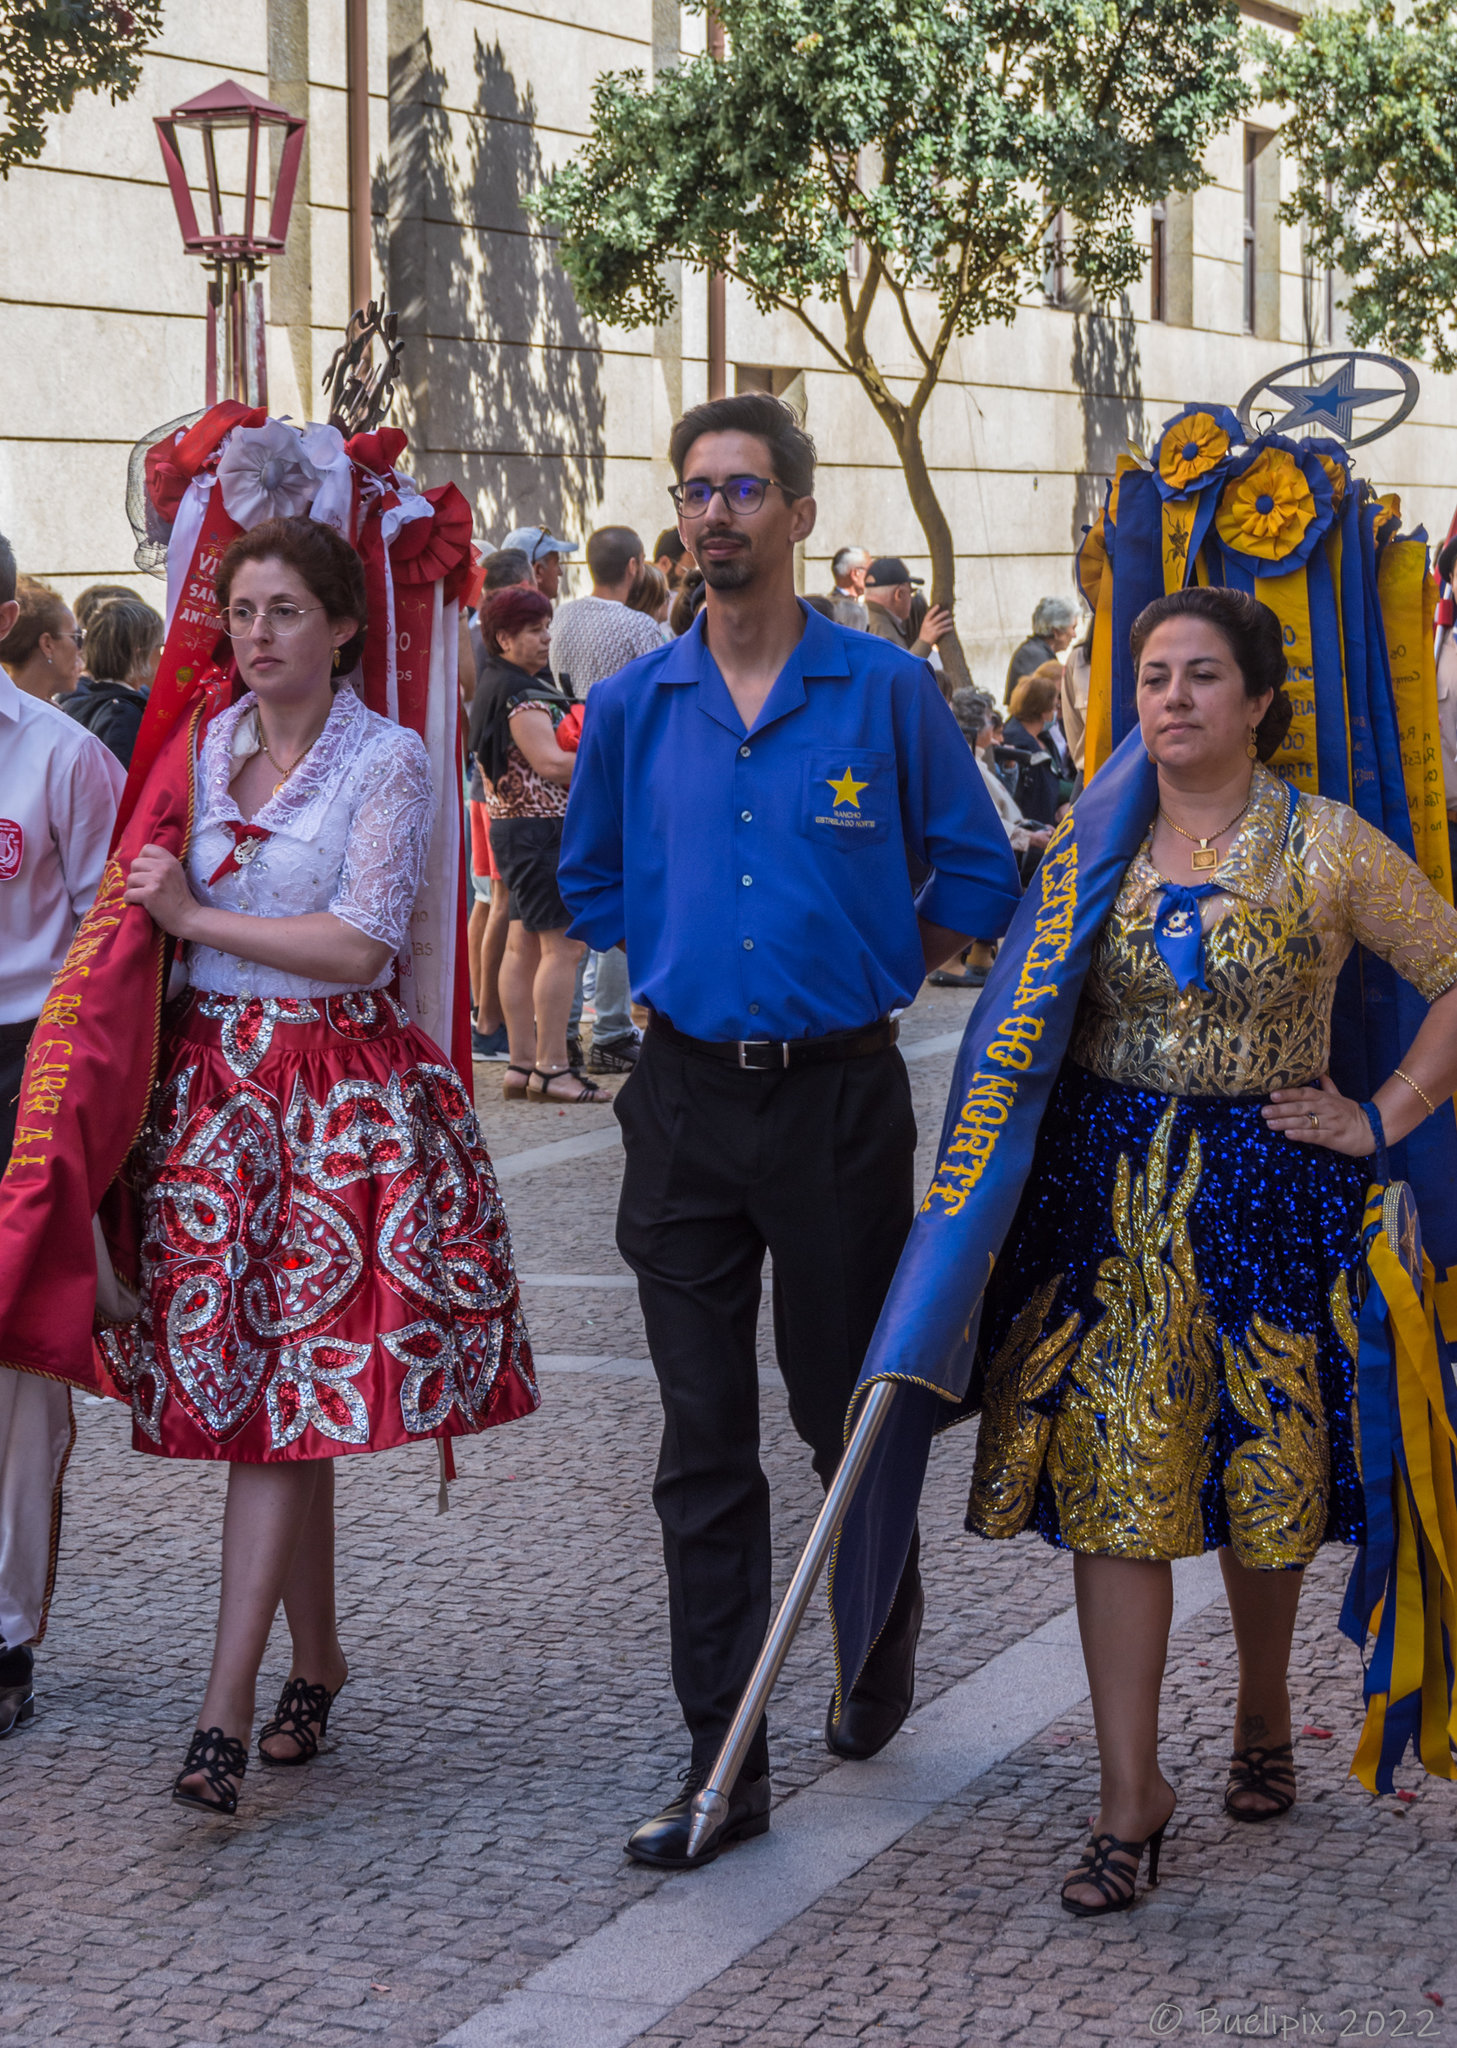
(509, 1718)
(1340, 1914)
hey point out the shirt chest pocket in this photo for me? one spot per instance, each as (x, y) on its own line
(848, 798)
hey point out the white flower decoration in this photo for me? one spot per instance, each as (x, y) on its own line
(265, 474)
(323, 446)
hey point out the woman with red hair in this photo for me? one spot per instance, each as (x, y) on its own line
(514, 726)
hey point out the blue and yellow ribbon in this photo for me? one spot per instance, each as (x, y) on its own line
(1403, 1584)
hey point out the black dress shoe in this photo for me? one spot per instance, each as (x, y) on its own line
(17, 1696)
(663, 1840)
(883, 1694)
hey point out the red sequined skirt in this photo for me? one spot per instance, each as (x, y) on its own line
(325, 1263)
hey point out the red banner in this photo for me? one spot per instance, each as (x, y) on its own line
(84, 1095)
(192, 642)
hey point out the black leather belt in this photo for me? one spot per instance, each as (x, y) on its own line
(772, 1055)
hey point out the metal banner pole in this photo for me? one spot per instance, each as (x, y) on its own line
(711, 1803)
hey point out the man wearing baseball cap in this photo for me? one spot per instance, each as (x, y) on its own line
(544, 550)
(889, 588)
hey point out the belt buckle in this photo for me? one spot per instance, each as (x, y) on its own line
(765, 1045)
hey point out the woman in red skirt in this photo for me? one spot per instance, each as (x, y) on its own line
(325, 1264)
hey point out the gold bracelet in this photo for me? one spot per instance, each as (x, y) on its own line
(1401, 1074)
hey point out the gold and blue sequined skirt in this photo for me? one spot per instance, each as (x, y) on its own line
(1166, 1362)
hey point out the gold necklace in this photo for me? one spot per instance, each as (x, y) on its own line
(285, 773)
(1204, 855)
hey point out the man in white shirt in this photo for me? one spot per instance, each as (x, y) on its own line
(591, 639)
(58, 795)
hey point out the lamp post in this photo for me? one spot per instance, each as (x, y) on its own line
(237, 364)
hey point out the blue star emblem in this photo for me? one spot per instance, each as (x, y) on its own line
(1331, 404)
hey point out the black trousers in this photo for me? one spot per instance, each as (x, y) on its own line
(816, 1165)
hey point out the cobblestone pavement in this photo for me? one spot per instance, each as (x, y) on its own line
(508, 1719)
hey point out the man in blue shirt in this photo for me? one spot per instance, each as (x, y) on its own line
(747, 808)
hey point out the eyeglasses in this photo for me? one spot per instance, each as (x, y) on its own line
(739, 494)
(239, 620)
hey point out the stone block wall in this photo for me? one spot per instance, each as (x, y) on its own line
(538, 412)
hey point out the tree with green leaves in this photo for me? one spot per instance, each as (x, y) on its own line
(51, 50)
(1372, 100)
(889, 171)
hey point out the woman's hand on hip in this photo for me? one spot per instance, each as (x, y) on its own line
(1321, 1116)
(159, 884)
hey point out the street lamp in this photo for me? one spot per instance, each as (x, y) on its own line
(237, 364)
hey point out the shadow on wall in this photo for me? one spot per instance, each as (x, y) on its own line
(501, 385)
(1107, 371)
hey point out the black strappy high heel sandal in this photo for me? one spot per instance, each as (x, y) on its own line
(302, 1715)
(1268, 1774)
(587, 1090)
(219, 1758)
(1098, 1869)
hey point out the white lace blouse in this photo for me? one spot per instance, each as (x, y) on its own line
(348, 833)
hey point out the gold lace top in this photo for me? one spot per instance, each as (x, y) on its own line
(1288, 913)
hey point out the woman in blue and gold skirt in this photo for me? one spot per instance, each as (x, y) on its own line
(1167, 1348)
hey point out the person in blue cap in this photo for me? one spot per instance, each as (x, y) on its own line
(545, 551)
(781, 821)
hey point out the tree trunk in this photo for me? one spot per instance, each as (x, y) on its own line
(955, 673)
(903, 424)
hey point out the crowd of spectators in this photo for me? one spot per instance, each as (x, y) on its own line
(525, 721)
(96, 662)
(533, 657)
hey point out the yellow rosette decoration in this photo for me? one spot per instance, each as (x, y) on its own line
(1337, 474)
(1267, 509)
(1191, 446)
(1092, 561)
(1388, 519)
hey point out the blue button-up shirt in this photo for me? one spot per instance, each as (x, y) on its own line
(760, 878)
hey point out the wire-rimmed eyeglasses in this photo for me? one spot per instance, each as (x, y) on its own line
(239, 620)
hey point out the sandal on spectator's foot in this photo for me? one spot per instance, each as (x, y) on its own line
(1116, 1883)
(514, 1089)
(221, 1761)
(302, 1715)
(1262, 1774)
(586, 1091)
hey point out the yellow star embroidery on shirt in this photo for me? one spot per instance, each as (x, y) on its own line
(847, 789)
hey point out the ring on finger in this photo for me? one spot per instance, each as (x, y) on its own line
(1314, 1119)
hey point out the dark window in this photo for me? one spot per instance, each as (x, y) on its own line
(1158, 261)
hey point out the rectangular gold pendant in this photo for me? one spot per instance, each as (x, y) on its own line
(1204, 857)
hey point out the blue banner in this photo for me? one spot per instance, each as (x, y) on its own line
(1135, 555)
(1013, 1049)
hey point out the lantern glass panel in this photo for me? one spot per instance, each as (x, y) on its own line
(229, 153)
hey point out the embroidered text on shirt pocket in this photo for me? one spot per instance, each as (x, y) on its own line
(849, 796)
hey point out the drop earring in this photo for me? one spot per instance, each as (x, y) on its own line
(336, 661)
(1252, 747)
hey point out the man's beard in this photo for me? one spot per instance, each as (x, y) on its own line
(731, 573)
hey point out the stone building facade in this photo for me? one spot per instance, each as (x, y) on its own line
(542, 415)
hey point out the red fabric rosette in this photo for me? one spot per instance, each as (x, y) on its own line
(377, 452)
(172, 464)
(425, 550)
